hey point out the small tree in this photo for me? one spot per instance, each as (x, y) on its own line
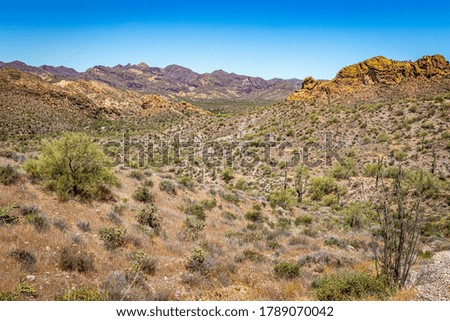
(301, 179)
(72, 166)
(400, 219)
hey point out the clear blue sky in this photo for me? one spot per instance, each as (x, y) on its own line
(261, 38)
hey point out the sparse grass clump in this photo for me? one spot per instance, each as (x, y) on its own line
(70, 259)
(74, 167)
(255, 214)
(232, 198)
(8, 175)
(34, 216)
(287, 270)
(348, 286)
(142, 194)
(7, 217)
(113, 237)
(168, 187)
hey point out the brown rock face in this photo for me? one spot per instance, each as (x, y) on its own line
(378, 78)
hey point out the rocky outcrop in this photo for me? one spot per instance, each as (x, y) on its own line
(378, 78)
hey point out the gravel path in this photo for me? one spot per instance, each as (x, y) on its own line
(432, 278)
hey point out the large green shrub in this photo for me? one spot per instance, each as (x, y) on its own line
(73, 166)
(321, 186)
(285, 198)
(348, 286)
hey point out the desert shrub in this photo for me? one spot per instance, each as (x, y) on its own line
(136, 174)
(344, 169)
(400, 155)
(83, 294)
(112, 237)
(349, 285)
(33, 215)
(303, 220)
(84, 226)
(284, 198)
(357, 215)
(26, 258)
(370, 170)
(251, 256)
(242, 185)
(253, 216)
(382, 137)
(148, 216)
(6, 215)
(192, 227)
(196, 210)
(142, 263)
(329, 200)
(168, 187)
(74, 167)
(26, 289)
(143, 195)
(70, 259)
(8, 296)
(208, 204)
(321, 186)
(229, 215)
(8, 175)
(232, 198)
(148, 182)
(60, 224)
(227, 174)
(196, 260)
(287, 270)
(186, 182)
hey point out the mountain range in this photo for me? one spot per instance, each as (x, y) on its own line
(173, 80)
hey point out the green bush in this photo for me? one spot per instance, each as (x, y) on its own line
(348, 286)
(192, 227)
(143, 195)
(83, 294)
(8, 296)
(196, 260)
(141, 262)
(232, 198)
(357, 215)
(74, 167)
(344, 169)
(112, 237)
(284, 198)
(370, 170)
(6, 215)
(227, 174)
(303, 220)
(148, 216)
(321, 186)
(168, 187)
(8, 175)
(287, 270)
(186, 182)
(196, 210)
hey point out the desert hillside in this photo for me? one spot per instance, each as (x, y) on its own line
(282, 202)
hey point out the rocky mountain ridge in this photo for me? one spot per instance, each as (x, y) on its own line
(379, 78)
(173, 80)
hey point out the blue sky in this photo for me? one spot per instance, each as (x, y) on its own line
(260, 38)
